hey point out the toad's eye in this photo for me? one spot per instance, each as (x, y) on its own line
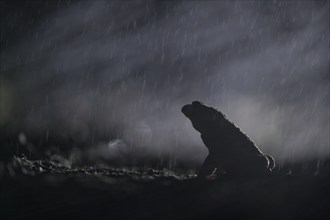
(196, 103)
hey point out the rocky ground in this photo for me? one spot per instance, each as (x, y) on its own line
(45, 189)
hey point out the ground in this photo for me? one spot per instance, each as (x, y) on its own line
(47, 190)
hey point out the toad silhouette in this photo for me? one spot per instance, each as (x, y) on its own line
(231, 152)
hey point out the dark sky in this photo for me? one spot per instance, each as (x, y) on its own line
(119, 72)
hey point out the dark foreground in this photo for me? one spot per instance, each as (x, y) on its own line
(44, 190)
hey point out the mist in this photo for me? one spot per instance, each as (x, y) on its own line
(107, 72)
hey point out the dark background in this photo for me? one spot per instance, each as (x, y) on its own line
(87, 86)
(103, 80)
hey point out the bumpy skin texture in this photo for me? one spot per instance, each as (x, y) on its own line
(230, 150)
